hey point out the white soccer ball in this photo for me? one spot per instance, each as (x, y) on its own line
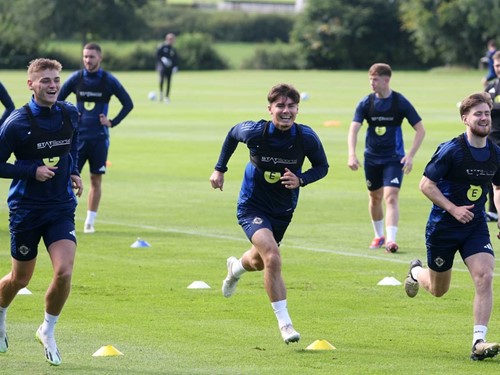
(304, 96)
(152, 95)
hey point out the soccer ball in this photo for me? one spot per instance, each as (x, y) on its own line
(152, 95)
(304, 96)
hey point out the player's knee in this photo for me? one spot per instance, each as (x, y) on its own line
(439, 291)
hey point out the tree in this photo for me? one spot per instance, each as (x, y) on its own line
(451, 31)
(23, 30)
(352, 34)
(96, 19)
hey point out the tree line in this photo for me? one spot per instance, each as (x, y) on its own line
(328, 34)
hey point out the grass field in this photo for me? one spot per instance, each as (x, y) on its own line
(157, 188)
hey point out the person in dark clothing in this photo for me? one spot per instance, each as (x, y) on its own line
(456, 181)
(493, 88)
(43, 137)
(385, 159)
(167, 63)
(94, 88)
(270, 191)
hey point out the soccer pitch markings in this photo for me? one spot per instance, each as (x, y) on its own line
(387, 258)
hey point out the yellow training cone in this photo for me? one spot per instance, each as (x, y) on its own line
(321, 345)
(107, 351)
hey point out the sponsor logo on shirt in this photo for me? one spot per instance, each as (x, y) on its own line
(268, 159)
(90, 94)
(55, 143)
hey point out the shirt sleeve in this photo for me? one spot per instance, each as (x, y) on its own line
(7, 103)
(126, 101)
(440, 163)
(316, 155)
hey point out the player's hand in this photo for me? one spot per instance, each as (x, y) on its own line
(217, 180)
(463, 213)
(290, 180)
(353, 163)
(104, 120)
(76, 184)
(44, 173)
(407, 162)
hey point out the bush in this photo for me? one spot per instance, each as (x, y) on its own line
(195, 50)
(197, 53)
(221, 25)
(275, 57)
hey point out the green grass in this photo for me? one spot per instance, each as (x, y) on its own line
(157, 188)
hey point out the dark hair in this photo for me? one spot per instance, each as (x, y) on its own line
(473, 100)
(94, 46)
(283, 90)
(380, 69)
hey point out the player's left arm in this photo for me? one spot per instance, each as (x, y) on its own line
(411, 114)
(123, 96)
(316, 155)
(73, 113)
(407, 160)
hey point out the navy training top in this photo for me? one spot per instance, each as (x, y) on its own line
(384, 141)
(463, 174)
(271, 151)
(93, 92)
(56, 146)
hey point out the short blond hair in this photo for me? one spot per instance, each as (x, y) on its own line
(40, 64)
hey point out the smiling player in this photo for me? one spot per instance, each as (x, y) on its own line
(270, 191)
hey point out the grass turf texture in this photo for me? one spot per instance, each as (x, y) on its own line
(157, 188)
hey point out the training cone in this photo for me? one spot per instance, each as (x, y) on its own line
(198, 285)
(321, 345)
(140, 243)
(24, 291)
(389, 281)
(107, 351)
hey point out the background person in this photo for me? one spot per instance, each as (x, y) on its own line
(270, 191)
(457, 221)
(43, 137)
(94, 88)
(6, 102)
(493, 88)
(488, 59)
(167, 62)
(384, 157)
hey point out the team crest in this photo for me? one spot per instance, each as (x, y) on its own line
(257, 220)
(474, 193)
(380, 130)
(24, 250)
(439, 262)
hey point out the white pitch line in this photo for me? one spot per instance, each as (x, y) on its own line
(306, 248)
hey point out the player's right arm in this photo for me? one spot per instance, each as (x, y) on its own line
(352, 139)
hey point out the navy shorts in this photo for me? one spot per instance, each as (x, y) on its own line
(252, 221)
(27, 227)
(386, 174)
(443, 243)
(95, 151)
